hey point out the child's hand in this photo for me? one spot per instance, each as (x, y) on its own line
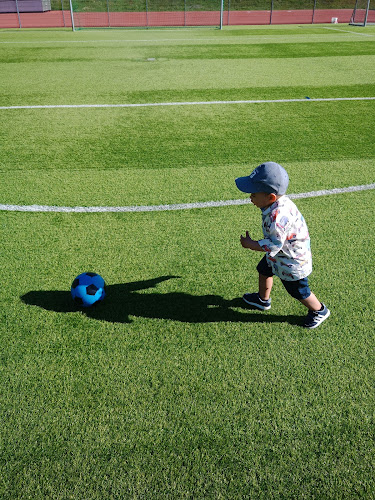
(247, 242)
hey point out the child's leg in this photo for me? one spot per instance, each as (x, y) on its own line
(265, 279)
(261, 300)
(265, 286)
(300, 290)
(311, 303)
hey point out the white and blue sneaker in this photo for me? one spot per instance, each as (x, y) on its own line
(315, 318)
(253, 299)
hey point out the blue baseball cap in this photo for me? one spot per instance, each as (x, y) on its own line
(269, 177)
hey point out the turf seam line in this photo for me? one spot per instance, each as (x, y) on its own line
(187, 103)
(180, 206)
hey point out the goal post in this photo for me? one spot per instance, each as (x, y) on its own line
(145, 13)
(363, 13)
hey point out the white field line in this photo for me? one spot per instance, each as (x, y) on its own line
(189, 103)
(180, 206)
(250, 38)
(347, 31)
(151, 40)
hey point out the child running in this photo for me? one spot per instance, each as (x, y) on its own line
(286, 242)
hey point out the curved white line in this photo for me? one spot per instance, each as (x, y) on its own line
(180, 206)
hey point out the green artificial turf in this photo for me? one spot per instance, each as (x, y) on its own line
(170, 388)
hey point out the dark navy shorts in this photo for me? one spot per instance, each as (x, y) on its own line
(298, 289)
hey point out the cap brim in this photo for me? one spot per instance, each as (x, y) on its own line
(244, 184)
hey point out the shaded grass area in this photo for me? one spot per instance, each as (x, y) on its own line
(161, 389)
(203, 51)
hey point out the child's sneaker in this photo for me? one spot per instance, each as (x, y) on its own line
(253, 299)
(314, 318)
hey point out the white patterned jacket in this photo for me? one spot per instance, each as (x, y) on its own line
(286, 240)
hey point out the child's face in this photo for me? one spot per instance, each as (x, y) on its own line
(262, 200)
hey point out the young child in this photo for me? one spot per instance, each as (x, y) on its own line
(286, 242)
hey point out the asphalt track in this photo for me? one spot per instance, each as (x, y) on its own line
(62, 19)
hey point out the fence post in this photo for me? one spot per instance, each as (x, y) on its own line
(62, 10)
(313, 14)
(72, 15)
(18, 14)
(271, 11)
(352, 20)
(366, 15)
(109, 22)
(221, 13)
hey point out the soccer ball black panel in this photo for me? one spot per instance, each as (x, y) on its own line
(75, 283)
(91, 289)
(88, 289)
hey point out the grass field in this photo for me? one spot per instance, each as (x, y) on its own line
(171, 388)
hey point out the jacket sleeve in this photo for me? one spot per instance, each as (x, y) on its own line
(275, 233)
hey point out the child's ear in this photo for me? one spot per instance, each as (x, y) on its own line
(273, 197)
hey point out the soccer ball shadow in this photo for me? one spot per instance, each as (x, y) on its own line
(126, 301)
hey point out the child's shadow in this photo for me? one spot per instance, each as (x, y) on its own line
(124, 300)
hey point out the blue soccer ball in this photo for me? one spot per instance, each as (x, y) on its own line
(88, 289)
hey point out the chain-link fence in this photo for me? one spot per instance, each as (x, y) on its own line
(148, 13)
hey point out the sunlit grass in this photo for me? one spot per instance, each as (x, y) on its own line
(171, 388)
